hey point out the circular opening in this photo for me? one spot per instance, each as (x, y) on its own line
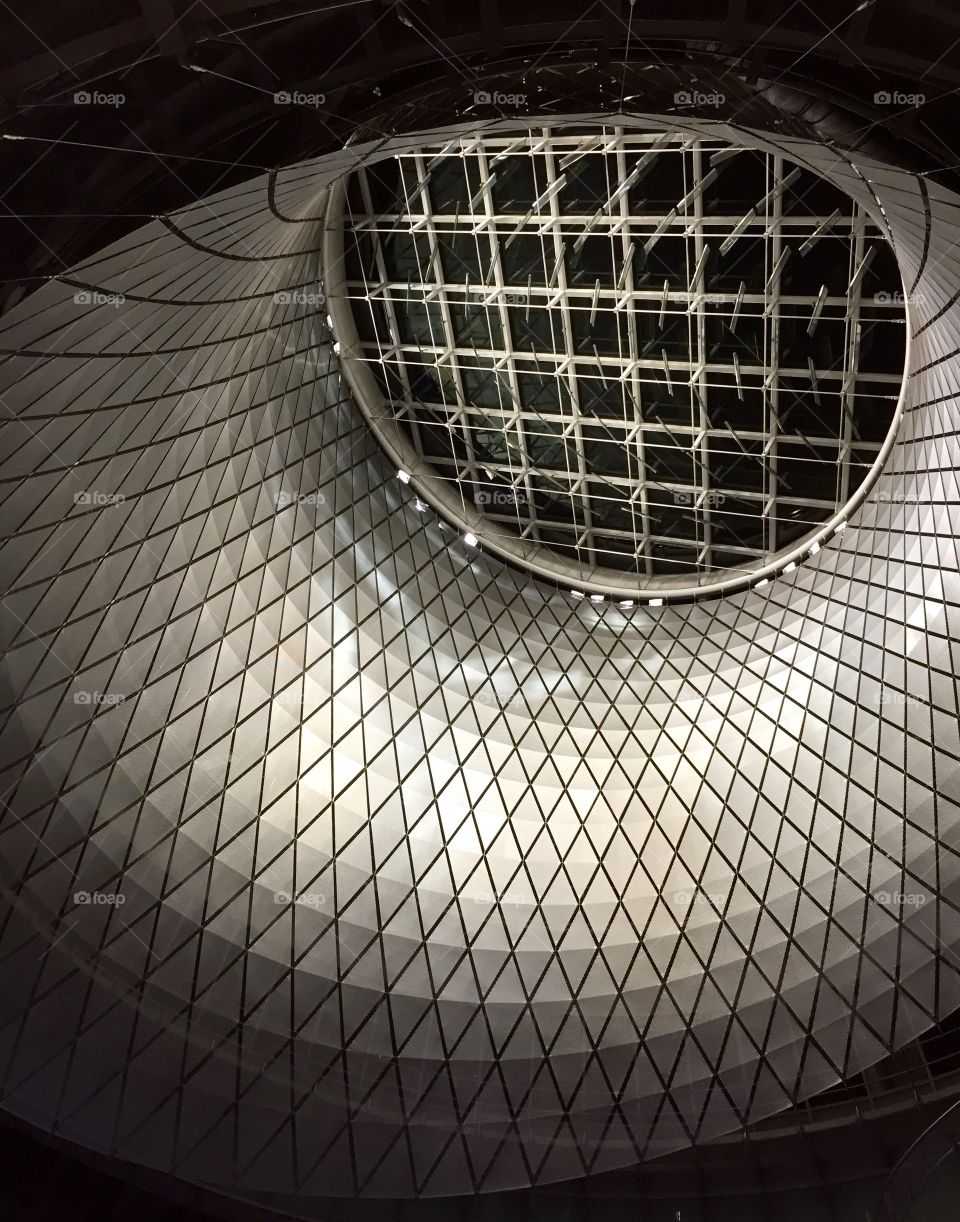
(629, 361)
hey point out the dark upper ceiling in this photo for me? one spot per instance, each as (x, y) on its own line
(83, 174)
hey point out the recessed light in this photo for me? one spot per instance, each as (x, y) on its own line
(656, 602)
(627, 602)
(577, 594)
(840, 526)
(788, 568)
(764, 581)
(814, 548)
(596, 598)
(470, 539)
(419, 505)
(403, 477)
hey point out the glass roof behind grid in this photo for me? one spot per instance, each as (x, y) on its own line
(652, 355)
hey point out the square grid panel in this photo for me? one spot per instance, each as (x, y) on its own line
(649, 353)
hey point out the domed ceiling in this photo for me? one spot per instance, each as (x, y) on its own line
(347, 857)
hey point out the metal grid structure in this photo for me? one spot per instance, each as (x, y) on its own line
(651, 353)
